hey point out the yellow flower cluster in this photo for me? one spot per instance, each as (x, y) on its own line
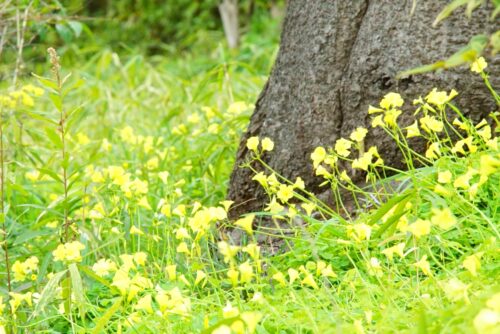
(22, 97)
(69, 252)
(266, 144)
(304, 275)
(25, 269)
(238, 322)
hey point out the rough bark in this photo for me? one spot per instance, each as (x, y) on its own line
(338, 57)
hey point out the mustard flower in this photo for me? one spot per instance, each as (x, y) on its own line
(246, 223)
(478, 65)
(412, 130)
(419, 228)
(253, 143)
(359, 134)
(342, 147)
(267, 144)
(443, 218)
(391, 100)
(318, 156)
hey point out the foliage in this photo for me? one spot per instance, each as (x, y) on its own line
(113, 216)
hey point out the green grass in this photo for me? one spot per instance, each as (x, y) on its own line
(135, 243)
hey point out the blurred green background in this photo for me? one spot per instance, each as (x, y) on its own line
(79, 29)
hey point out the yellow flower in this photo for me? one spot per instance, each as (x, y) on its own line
(391, 117)
(293, 275)
(233, 274)
(443, 218)
(397, 249)
(246, 223)
(135, 231)
(440, 98)
(251, 319)
(182, 248)
(493, 302)
(103, 267)
(223, 329)
(424, 265)
(228, 251)
(285, 193)
(433, 152)
(309, 281)
(267, 144)
(16, 299)
(391, 100)
(261, 178)
(361, 231)
(181, 233)
(229, 311)
(342, 147)
(200, 276)
(420, 228)
(359, 134)
(22, 269)
(143, 201)
(140, 258)
(455, 289)
(69, 252)
(478, 65)
(488, 166)
(152, 163)
(318, 156)
(431, 124)
(246, 272)
(328, 272)
(321, 171)
(374, 267)
(171, 271)
(280, 278)
(238, 107)
(33, 175)
(253, 250)
(253, 143)
(299, 183)
(445, 177)
(36, 91)
(487, 321)
(374, 110)
(274, 207)
(412, 130)
(463, 180)
(145, 304)
(378, 121)
(473, 263)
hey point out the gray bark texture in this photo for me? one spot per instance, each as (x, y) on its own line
(338, 57)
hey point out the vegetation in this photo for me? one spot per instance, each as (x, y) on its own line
(114, 220)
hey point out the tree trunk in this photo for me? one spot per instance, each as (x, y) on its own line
(338, 57)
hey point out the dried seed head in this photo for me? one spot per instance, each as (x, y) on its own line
(54, 60)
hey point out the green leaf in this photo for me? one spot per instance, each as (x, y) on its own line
(50, 173)
(467, 54)
(448, 9)
(104, 320)
(386, 207)
(64, 32)
(48, 293)
(56, 99)
(54, 137)
(77, 27)
(46, 82)
(94, 276)
(77, 289)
